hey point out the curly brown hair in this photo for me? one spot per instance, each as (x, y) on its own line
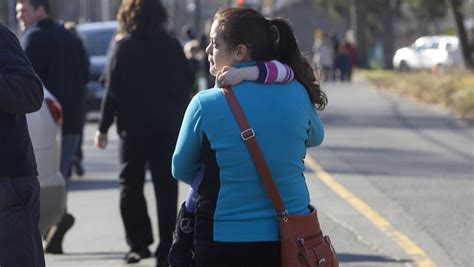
(142, 17)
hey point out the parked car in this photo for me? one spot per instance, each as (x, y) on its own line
(429, 52)
(44, 127)
(97, 37)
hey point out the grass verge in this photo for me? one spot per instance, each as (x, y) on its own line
(455, 90)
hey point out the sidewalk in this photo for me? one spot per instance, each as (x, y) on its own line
(97, 237)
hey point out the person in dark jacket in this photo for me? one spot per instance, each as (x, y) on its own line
(21, 92)
(59, 58)
(148, 86)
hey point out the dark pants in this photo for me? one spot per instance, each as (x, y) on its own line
(154, 152)
(20, 239)
(230, 254)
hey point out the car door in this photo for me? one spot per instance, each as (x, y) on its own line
(431, 55)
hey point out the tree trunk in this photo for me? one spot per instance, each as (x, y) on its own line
(197, 18)
(455, 6)
(388, 48)
(360, 26)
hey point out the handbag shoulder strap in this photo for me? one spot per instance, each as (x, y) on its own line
(248, 135)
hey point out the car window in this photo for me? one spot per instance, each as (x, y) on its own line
(434, 45)
(451, 46)
(422, 45)
(97, 41)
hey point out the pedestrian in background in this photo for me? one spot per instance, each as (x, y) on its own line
(21, 92)
(345, 60)
(59, 58)
(323, 54)
(76, 166)
(192, 50)
(148, 84)
(235, 222)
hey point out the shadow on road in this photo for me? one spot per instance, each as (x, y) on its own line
(89, 184)
(92, 257)
(347, 257)
(396, 162)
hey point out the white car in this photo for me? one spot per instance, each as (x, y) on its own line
(44, 126)
(429, 52)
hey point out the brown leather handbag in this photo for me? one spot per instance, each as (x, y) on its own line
(302, 241)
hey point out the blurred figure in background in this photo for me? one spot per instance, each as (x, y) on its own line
(148, 84)
(346, 59)
(192, 50)
(323, 54)
(187, 33)
(59, 58)
(76, 166)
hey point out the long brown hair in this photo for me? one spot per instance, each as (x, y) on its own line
(142, 17)
(266, 40)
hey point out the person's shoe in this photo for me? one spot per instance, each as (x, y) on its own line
(132, 257)
(136, 256)
(181, 252)
(55, 236)
(79, 168)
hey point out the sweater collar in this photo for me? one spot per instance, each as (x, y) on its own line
(245, 64)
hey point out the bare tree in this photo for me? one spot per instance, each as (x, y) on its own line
(455, 7)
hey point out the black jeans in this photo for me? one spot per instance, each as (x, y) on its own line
(20, 239)
(237, 254)
(155, 153)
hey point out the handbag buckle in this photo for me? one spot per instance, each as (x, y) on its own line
(247, 134)
(283, 214)
(322, 262)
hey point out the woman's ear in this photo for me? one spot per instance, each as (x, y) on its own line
(242, 53)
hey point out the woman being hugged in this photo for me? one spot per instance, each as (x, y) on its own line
(235, 219)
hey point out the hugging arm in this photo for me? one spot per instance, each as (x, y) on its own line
(263, 72)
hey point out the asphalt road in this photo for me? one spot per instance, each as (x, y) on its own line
(393, 183)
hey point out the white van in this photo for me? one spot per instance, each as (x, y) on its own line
(429, 52)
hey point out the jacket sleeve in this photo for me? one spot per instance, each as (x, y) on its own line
(21, 90)
(187, 154)
(112, 78)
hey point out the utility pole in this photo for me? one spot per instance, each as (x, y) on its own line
(197, 18)
(359, 23)
(388, 48)
(11, 13)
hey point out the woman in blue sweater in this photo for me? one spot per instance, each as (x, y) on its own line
(235, 219)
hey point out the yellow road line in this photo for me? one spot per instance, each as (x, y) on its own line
(416, 253)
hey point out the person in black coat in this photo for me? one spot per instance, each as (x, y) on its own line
(60, 59)
(21, 92)
(148, 86)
